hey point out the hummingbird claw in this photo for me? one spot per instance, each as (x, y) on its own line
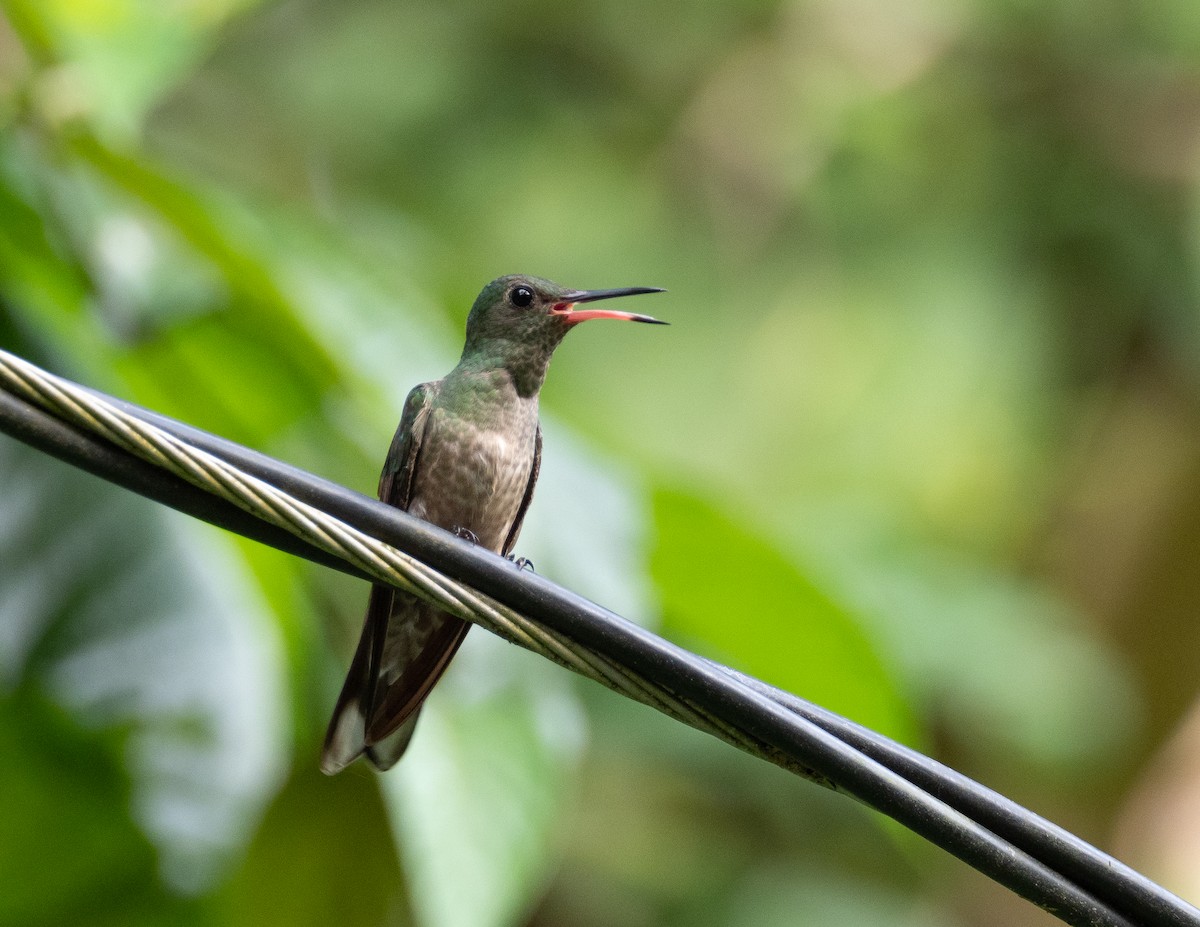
(466, 534)
(522, 563)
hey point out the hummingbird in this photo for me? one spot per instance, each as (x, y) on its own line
(465, 457)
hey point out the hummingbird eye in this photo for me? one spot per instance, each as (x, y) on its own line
(521, 296)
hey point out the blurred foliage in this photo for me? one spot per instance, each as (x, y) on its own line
(921, 444)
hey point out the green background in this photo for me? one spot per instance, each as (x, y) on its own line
(922, 443)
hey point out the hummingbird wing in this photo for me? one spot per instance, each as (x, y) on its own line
(345, 739)
(511, 540)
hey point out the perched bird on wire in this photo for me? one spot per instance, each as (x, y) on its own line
(465, 457)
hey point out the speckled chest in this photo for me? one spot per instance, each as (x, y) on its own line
(475, 460)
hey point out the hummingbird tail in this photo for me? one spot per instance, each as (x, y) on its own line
(346, 737)
(385, 753)
(344, 743)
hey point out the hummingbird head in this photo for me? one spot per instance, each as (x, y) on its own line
(517, 321)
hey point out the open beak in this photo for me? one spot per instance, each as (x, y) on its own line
(566, 306)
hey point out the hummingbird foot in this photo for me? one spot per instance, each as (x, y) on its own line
(466, 534)
(522, 563)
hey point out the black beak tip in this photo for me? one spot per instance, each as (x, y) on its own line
(591, 296)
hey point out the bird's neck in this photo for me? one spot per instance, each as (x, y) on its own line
(519, 364)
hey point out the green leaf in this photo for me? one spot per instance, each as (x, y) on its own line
(781, 898)
(119, 58)
(323, 856)
(730, 594)
(475, 802)
(63, 796)
(1006, 661)
(139, 628)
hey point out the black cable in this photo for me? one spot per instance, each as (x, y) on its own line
(1124, 888)
(1121, 886)
(799, 731)
(54, 437)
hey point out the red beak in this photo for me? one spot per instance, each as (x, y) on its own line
(565, 307)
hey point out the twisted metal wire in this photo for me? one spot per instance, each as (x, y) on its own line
(382, 561)
(1029, 855)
